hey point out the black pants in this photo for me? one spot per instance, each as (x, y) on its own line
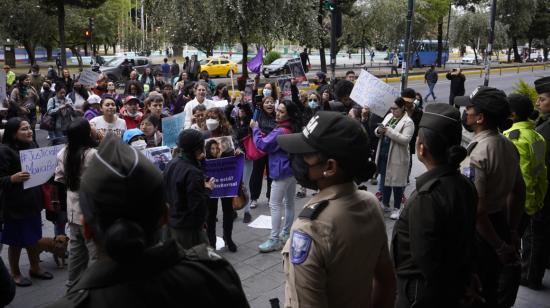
(536, 246)
(227, 208)
(412, 292)
(257, 178)
(488, 265)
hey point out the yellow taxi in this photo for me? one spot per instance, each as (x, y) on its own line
(218, 67)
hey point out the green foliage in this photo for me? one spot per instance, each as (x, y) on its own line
(271, 56)
(524, 88)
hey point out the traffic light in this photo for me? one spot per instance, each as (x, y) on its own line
(88, 34)
(329, 5)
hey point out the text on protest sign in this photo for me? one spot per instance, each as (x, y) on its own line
(40, 163)
(171, 128)
(227, 173)
(88, 78)
(374, 93)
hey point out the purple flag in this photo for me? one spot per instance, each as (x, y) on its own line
(255, 64)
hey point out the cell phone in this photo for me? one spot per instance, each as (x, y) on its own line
(256, 114)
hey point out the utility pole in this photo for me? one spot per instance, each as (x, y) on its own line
(142, 28)
(407, 53)
(335, 33)
(490, 39)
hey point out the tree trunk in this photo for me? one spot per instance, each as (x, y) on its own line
(85, 50)
(105, 49)
(30, 52)
(61, 26)
(49, 52)
(114, 49)
(439, 41)
(517, 56)
(245, 56)
(178, 51)
(529, 53)
(321, 37)
(509, 54)
(209, 52)
(78, 57)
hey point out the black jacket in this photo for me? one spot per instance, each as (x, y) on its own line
(543, 128)
(434, 236)
(163, 277)
(415, 117)
(185, 193)
(457, 84)
(16, 202)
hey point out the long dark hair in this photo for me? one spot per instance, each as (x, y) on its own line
(294, 115)
(79, 141)
(10, 130)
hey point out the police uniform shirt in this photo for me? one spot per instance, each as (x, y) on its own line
(334, 248)
(492, 165)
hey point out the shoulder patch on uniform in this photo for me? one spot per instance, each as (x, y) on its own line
(470, 173)
(514, 134)
(313, 210)
(299, 247)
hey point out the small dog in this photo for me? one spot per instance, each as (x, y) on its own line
(57, 246)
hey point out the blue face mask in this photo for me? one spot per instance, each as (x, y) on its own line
(267, 92)
(313, 104)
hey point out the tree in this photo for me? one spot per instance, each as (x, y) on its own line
(517, 15)
(58, 7)
(19, 22)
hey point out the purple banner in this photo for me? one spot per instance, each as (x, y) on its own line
(255, 64)
(227, 173)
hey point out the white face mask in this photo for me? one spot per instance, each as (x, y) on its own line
(267, 92)
(139, 145)
(212, 124)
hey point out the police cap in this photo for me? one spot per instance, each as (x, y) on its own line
(443, 119)
(490, 101)
(542, 85)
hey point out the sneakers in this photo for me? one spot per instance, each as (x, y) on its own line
(395, 214)
(379, 195)
(247, 218)
(284, 237)
(270, 245)
(254, 204)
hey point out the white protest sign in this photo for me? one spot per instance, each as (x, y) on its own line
(374, 93)
(40, 163)
(88, 78)
(2, 86)
(221, 104)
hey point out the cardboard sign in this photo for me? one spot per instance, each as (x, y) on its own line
(88, 78)
(374, 93)
(296, 69)
(40, 163)
(285, 84)
(249, 91)
(171, 128)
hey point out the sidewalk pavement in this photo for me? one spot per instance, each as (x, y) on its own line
(261, 274)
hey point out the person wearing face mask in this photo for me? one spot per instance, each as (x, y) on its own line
(283, 187)
(45, 94)
(415, 113)
(392, 155)
(337, 255)
(200, 99)
(433, 240)
(218, 126)
(492, 165)
(135, 138)
(131, 113)
(108, 122)
(61, 108)
(78, 95)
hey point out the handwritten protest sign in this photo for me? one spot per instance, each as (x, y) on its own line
(284, 85)
(227, 173)
(171, 128)
(374, 93)
(40, 163)
(88, 78)
(2, 87)
(296, 69)
(159, 156)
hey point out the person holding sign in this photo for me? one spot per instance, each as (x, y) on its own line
(218, 126)
(109, 122)
(21, 208)
(283, 188)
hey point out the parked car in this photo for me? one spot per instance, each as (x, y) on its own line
(469, 59)
(113, 69)
(218, 67)
(277, 67)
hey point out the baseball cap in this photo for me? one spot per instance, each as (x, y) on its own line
(489, 100)
(131, 133)
(131, 98)
(94, 99)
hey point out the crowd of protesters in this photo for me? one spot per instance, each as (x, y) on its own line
(473, 230)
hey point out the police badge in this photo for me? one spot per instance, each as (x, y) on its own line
(299, 247)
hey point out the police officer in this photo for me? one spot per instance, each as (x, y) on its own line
(432, 244)
(493, 166)
(337, 255)
(122, 201)
(532, 154)
(540, 222)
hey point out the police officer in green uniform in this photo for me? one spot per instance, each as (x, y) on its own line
(432, 243)
(493, 166)
(532, 158)
(122, 201)
(337, 255)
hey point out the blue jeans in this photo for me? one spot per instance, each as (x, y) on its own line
(386, 193)
(430, 90)
(247, 173)
(282, 194)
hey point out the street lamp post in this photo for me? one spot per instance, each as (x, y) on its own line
(407, 55)
(490, 39)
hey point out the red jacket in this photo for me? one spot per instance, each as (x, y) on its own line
(131, 122)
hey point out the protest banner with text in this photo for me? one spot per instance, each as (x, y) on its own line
(171, 128)
(40, 163)
(374, 93)
(227, 173)
(88, 78)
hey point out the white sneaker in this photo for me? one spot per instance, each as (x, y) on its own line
(395, 214)
(254, 204)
